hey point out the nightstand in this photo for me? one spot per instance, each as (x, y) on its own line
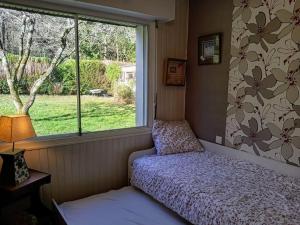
(29, 188)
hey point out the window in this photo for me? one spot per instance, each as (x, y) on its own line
(71, 73)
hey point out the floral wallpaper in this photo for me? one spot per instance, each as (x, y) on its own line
(263, 114)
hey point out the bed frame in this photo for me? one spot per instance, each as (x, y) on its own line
(271, 164)
(135, 155)
(58, 215)
(267, 163)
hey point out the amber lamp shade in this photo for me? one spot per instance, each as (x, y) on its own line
(15, 128)
(14, 168)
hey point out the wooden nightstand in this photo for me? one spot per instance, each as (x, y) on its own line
(29, 188)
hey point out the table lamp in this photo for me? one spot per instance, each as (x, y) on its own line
(13, 129)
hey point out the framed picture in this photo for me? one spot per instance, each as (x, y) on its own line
(175, 72)
(209, 49)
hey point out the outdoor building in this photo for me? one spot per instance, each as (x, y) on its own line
(128, 73)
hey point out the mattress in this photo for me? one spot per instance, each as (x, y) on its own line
(127, 206)
(209, 189)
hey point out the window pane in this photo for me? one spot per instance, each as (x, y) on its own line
(37, 70)
(108, 76)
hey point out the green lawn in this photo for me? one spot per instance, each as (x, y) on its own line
(58, 114)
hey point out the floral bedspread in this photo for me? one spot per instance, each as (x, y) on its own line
(208, 189)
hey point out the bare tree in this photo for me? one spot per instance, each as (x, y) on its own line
(14, 73)
(112, 42)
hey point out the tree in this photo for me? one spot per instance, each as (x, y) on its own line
(107, 41)
(26, 36)
(32, 34)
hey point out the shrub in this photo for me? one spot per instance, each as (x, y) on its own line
(57, 88)
(124, 93)
(63, 78)
(27, 82)
(113, 72)
(65, 73)
(3, 86)
(91, 76)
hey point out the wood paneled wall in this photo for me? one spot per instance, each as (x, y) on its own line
(88, 168)
(172, 43)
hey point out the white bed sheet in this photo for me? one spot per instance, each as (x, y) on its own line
(126, 206)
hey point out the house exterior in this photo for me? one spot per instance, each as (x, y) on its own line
(128, 73)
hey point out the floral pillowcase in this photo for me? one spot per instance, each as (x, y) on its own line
(171, 137)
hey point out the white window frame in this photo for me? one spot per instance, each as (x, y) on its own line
(145, 104)
(141, 75)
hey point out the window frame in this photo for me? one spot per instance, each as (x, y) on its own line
(146, 108)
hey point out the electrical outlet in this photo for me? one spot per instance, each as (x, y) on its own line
(219, 140)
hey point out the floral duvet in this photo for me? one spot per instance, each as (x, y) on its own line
(206, 188)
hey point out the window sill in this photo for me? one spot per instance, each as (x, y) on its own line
(71, 139)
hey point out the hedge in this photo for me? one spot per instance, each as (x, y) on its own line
(63, 78)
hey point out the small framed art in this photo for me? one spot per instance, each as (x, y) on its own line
(175, 72)
(209, 49)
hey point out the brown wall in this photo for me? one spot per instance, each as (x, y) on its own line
(206, 97)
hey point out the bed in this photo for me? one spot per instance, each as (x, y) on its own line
(126, 206)
(209, 189)
(203, 188)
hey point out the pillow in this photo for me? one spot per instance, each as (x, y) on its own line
(171, 137)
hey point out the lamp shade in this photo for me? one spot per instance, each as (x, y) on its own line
(15, 128)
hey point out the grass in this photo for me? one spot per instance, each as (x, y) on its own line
(58, 114)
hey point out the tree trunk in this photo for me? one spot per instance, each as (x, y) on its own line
(37, 84)
(10, 80)
(3, 29)
(21, 44)
(13, 77)
(25, 52)
(13, 90)
(105, 48)
(15, 97)
(117, 50)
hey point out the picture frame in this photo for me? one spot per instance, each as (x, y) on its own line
(209, 49)
(175, 72)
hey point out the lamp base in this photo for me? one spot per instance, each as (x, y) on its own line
(14, 169)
